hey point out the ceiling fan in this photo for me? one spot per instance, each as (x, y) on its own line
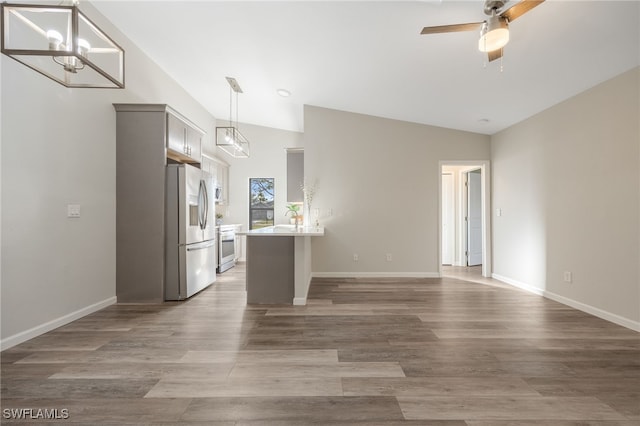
(494, 32)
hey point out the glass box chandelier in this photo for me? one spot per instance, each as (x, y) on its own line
(229, 138)
(61, 43)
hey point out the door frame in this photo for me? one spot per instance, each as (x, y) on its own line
(466, 195)
(484, 166)
(451, 238)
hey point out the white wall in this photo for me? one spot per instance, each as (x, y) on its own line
(379, 179)
(58, 147)
(567, 181)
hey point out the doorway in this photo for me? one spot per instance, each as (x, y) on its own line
(464, 237)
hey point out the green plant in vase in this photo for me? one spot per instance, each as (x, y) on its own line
(294, 211)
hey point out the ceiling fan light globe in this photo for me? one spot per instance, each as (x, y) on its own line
(494, 34)
(493, 40)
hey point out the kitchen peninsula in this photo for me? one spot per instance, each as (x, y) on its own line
(279, 263)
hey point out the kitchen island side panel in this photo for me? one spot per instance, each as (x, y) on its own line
(270, 269)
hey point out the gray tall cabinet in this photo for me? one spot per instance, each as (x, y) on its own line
(147, 137)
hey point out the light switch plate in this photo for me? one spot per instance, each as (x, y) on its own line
(73, 210)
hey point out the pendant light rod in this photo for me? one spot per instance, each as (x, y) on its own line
(230, 106)
(235, 87)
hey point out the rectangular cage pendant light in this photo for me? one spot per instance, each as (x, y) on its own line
(61, 43)
(228, 138)
(231, 141)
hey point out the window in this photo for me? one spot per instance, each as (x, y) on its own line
(261, 196)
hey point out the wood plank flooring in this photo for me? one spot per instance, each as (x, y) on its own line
(443, 352)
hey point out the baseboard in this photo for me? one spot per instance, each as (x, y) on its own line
(592, 310)
(518, 284)
(616, 319)
(36, 331)
(300, 301)
(376, 275)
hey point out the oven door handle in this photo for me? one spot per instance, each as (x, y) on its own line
(227, 236)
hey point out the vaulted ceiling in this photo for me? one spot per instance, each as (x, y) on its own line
(369, 57)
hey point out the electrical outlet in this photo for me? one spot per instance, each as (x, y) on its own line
(567, 277)
(355, 257)
(389, 257)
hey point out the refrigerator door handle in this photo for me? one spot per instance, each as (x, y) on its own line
(209, 244)
(206, 205)
(201, 206)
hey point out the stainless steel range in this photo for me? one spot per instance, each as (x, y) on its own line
(226, 247)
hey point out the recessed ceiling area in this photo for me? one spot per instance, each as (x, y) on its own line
(369, 56)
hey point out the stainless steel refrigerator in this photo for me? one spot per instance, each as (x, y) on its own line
(190, 247)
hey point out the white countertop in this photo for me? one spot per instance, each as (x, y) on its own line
(285, 231)
(227, 226)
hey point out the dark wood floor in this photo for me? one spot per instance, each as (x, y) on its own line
(371, 352)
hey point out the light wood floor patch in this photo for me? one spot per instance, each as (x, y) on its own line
(437, 386)
(245, 386)
(339, 369)
(265, 356)
(507, 408)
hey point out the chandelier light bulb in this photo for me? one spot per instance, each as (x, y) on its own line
(55, 39)
(83, 47)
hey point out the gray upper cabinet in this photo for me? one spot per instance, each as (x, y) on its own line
(184, 140)
(220, 171)
(295, 175)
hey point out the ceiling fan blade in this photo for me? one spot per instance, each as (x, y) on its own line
(520, 9)
(495, 54)
(452, 28)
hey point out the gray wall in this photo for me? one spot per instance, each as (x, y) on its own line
(567, 181)
(58, 147)
(377, 190)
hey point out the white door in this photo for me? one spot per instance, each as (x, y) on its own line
(474, 218)
(447, 219)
